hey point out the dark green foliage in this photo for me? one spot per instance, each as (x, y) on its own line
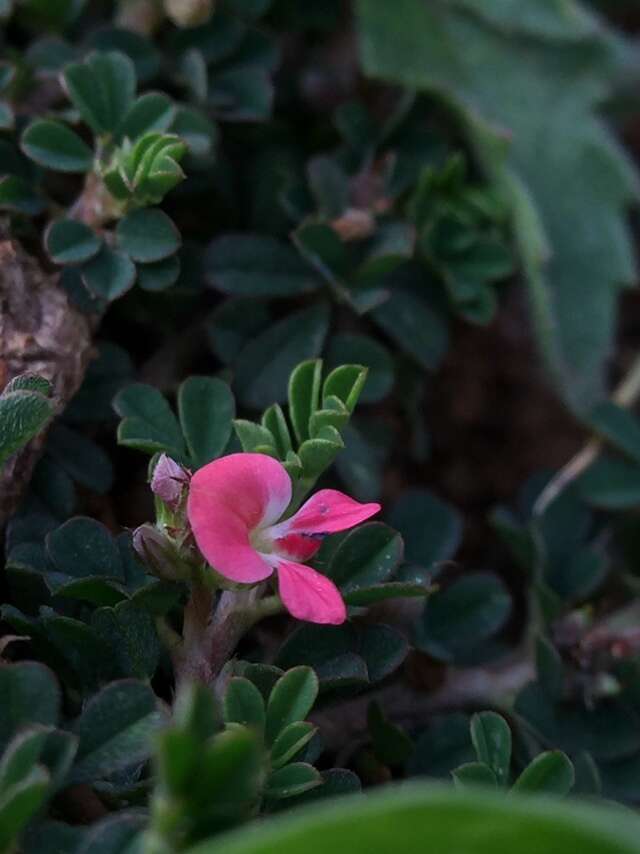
(303, 230)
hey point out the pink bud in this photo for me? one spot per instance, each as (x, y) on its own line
(168, 481)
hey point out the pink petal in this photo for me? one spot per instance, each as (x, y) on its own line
(297, 546)
(325, 512)
(308, 595)
(228, 499)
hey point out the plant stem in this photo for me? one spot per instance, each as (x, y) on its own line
(625, 395)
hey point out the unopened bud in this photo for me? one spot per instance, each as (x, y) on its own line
(159, 553)
(354, 224)
(168, 481)
(189, 13)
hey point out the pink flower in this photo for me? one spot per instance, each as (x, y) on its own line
(234, 507)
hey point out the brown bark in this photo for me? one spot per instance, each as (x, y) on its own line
(42, 333)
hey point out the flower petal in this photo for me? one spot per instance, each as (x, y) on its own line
(325, 512)
(308, 595)
(297, 546)
(228, 499)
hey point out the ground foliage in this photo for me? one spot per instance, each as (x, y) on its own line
(383, 243)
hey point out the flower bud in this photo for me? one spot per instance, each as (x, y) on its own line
(168, 481)
(159, 553)
(189, 13)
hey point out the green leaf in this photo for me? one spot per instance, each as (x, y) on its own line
(130, 633)
(55, 146)
(611, 484)
(243, 704)
(316, 455)
(146, 172)
(233, 324)
(255, 437)
(23, 414)
(365, 596)
(7, 117)
(345, 383)
(618, 426)
(159, 276)
(197, 130)
(349, 348)
(70, 242)
(491, 737)
(292, 780)
(148, 235)
(549, 164)
(263, 676)
(29, 382)
(153, 111)
(258, 266)
(118, 833)
(431, 529)
(290, 742)
(346, 654)
(21, 755)
(31, 696)
(206, 408)
(84, 547)
(80, 457)
(391, 745)
(144, 54)
(229, 775)
(367, 556)
(304, 395)
(474, 774)
(110, 274)
(401, 818)
(456, 619)
(549, 668)
(273, 419)
(550, 773)
(17, 194)
(415, 326)
(115, 730)
(291, 700)
(102, 89)
(148, 421)
(19, 803)
(265, 364)
(329, 186)
(392, 244)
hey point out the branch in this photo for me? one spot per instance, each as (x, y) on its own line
(344, 724)
(40, 332)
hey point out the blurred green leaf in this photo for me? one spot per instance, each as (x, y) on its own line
(291, 700)
(55, 146)
(551, 773)
(71, 242)
(147, 235)
(550, 165)
(401, 818)
(102, 89)
(244, 265)
(206, 408)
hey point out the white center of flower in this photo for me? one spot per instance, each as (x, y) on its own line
(262, 541)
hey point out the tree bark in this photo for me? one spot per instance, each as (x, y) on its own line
(42, 333)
